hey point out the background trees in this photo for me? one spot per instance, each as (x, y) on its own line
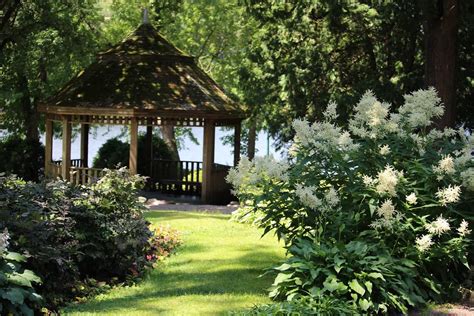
(281, 59)
(308, 52)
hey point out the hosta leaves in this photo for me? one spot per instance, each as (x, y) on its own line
(14, 256)
(355, 286)
(14, 295)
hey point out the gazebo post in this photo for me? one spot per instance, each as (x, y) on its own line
(237, 132)
(66, 159)
(132, 164)
(149, 149)
(84, 145)
(48, 155)
(208, 160)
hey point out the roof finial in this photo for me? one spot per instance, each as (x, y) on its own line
(145, 16)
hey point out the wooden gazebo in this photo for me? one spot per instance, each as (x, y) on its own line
(147, 81)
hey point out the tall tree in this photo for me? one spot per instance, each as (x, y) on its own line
(441, 23)
(308, 52)
(42, 44)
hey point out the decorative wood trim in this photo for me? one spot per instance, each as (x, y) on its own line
(117, 112)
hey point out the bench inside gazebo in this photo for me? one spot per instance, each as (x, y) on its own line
(144, 81)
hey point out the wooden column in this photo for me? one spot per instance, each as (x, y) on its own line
(237, 132)
(48, 155)
(149, 149)
(208, 161)
(66, 159)
(132, 164)
(85, 145)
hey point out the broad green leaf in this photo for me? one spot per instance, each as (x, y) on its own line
(334, 285)
(368, 285)
(364, 304)
(282, 277)
(376, 275)
(15, 256)
(14, 295)
(354, 285)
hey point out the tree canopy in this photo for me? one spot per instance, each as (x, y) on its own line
(309, 52)
(283, 59)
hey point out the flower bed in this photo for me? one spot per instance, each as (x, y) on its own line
(376, 214)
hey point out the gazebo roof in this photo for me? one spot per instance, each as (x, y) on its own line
(145, 75)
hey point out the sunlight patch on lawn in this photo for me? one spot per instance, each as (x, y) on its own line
(215, 271)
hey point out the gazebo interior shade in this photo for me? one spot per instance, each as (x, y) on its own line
(144, 75)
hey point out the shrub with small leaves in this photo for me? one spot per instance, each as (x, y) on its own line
(76, 234)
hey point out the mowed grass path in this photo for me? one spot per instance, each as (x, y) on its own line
(215, 271)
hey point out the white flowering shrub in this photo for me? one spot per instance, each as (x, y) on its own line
(390, 181)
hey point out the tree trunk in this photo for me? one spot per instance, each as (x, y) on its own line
(29, 114)
(441, 27)
(167, 131)
(251, 139)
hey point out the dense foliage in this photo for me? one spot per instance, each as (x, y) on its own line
(17, 296)
(320, 305)
(305, 53)
(387, 233)
(77, 238)
(22, 157)
(115, 152)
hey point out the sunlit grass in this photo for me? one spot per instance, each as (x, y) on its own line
(215, 271)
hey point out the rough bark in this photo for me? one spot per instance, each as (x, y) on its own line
(441, 19)
(167, 131)
(28, 110)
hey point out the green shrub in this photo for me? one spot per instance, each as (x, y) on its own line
(111, 230)
(22, 157)
(361, 273)
(17, 296)
(40, 220)
(390, 181)
(115, 152)
(77, 236)
(301, 306)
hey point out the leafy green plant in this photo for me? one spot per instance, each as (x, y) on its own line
(76, 234)
(361, 273)
(17, 295)
(411, 201)
(319, 305)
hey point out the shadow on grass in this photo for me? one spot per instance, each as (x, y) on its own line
(237, 276)
(177, 215)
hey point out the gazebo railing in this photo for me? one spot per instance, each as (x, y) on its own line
(82, 175)
(55, 169)
(78, 174)
(74, 162)
(177, 177)
(167, 176)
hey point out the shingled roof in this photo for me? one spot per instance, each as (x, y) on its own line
(145, 73)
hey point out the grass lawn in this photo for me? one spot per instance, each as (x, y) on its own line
(215, 271)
